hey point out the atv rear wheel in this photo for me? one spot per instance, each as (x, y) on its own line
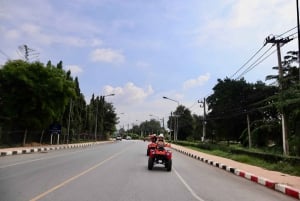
(150, 163)
(169, 165)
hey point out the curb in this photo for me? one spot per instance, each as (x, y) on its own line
(48, 148)
(287, 190)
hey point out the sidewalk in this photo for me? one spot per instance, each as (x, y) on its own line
(284, 183)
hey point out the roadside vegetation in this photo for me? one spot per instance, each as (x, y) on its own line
(262, 158)
(38, 101)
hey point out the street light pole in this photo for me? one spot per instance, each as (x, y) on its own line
(204, 118)
(96, 120)
(176, 118)
(298, 31)
(102, 120)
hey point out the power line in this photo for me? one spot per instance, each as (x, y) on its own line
(287, 31)
(254, 64)
(247, 62)
(3, 53)
(257, 62)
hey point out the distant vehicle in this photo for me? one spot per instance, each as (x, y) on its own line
(119, 138)
(128, 138)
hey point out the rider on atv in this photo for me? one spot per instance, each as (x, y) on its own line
(160, 155)
(153, 138)
(153, 144)
(160, 141)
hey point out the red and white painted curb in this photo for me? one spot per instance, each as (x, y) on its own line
(287, 190)
(47, 148)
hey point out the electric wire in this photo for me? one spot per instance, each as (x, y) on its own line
(257, 61)
(287, 31)
(3, 53)
(263, 59)
(247, 62)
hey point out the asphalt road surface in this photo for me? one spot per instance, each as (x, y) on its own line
(118, 172)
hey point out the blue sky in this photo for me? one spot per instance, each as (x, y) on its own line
(143, 50)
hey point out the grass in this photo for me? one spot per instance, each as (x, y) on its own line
(280, 166)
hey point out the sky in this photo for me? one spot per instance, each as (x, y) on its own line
(142, 50)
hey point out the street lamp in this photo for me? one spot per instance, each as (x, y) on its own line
(202, 104)
(176, 118)
(102, 120)
(171, 99)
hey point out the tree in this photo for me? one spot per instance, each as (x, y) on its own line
(287, 99)
(32, 96)
(110, 119)
(184, 119)
(227, 107)
(185, 123)
(101, 117)
(197, 127)
(150, 127)
(234, 100)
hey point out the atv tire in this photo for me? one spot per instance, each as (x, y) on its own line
(169, 165)
(150, 163)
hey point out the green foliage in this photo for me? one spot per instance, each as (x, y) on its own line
(276, 162)
(227, 105)
(33, 96)
(150, 127)
(185, 123)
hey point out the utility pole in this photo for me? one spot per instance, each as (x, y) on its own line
(298, 30)
(203, 104)
(69, 121)
(249, 131)
(171, 127)
(176, 117)
(279, 42)
(96, 119)
(28, 52)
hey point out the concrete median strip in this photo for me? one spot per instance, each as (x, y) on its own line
(287, 190)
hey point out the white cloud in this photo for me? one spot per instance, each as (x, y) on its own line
(42, 36)
(75, 70)
(12, 34)
(30, 28)
(129, 93)
(96, 42)
(107, 55)
(199, 81)
(142, 64)
(243, 22)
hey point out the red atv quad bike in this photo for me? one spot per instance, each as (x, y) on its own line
(151, 146)
(160, 155)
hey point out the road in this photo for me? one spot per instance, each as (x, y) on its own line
(118, 172)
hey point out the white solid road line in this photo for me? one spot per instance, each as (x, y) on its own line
(187, 186)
